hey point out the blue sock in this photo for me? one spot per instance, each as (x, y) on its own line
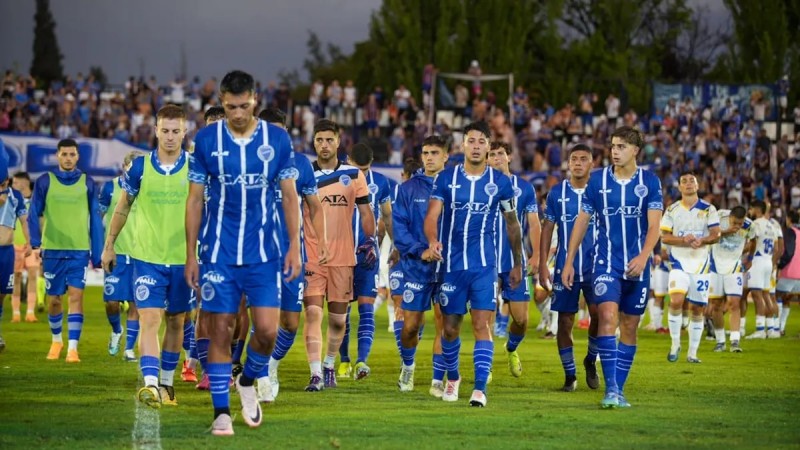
(253, 366)
(202, 353)
(482, 357)
(567, 361)
(419, 333)
(514, 341)
(74, 325)
(344, 349)
(131, 333)
(149, 366)
(625, 354)
(169, 360)
(592, 350)
(219, 375)
(607, 349)
(283, 343)
(501, 322)
(407, 354)
(366, 330)
(439, 367)
(450, 353)
(56, 323)
(236, 355)
(188, 335)
(115, 322)
(398, 331)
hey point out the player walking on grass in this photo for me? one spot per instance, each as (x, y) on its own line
(118, 284)
(159, 185)
(73, 231)
(626, 202)
(244, 162)
(21, 182)
(12, 209)
(468, 198)
(563, 206)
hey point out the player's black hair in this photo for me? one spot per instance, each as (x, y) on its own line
(215, 112)
(326, 125)
(760, 205)
(411, 166)
(480, 126)
(688, 172)
(361, 154)
(739, 212)
(436, 141)
(237, 82)
(66, 143)
(499, 144)
(273, 115)
(794, 216)
(24, 176)
(580, 148)
(630, 135)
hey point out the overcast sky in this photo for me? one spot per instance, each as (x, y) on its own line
(259, 36)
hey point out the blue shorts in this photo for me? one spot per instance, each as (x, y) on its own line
(162, 286)
(60, 273)
(419, 296)
(396, 280)
(6, 269)
(292, 293)
(222, 286)
(566, 300)
(518, 294)
(118, 285)
(630, 295)
(365, 281)
(468, 289)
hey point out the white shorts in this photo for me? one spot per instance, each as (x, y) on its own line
(694, 286)
(659, 282)
(725, 285)
(773, 281)
(759, 277)
(788, 286)
(383, 271)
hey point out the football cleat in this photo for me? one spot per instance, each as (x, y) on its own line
(265, 390)
(622, 402)
(251, 408)
(592, 379)
(345, 370)
(693, 360)
(735, 348)
(31, 318)
(720, 347)
(72, 356)
(329, 375)
(672, 357)
(570, 384)
(188, 373)
(406, 381)
(610, 401)
(204, 384)
(55, 350)
(757, 335)
(514, 364)
(361, 370)
(222, 426)
(113, 344)
(274, 381)
(150, 396)
(315, 384)
(451, 390)
(437, 389)
(167, 395)
(129, 356)
(478, 399)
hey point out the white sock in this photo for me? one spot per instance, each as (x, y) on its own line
(657, 316)
(743, 326)
(735, 336)
(761, 322)
(554, 322)
(684, 321)
(315, 367)
(770, 323)
(167, 377)
(390, 309)
(695, 335)
(72, 345)
(151, 380)
(674, 321)
(780, 311)
(57, 338)
(378, 300)
(784, 316)
(329, 362)
(720, 334)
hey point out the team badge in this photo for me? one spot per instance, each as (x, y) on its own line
(142, 292)
(394, 283)
(266, 153)
(517, 192)
(108, 289)
(408, 296)
(640, 191)
(443, 300)
(345, 180)
(373, 188)
(207, 291)
(600, 289)
(490, 189)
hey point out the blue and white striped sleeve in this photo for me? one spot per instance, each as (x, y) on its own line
(132, 180)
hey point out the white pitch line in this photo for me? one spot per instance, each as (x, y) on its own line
(146, 434)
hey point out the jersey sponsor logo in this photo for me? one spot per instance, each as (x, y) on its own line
(207, 291)
(600, 289)
(112, 279)
(448, 288)
(604, 279)
(214, 277)
(420, 200)
(49, 276)
(624, 211)
(415, 286)
(335, 199)
(454, 186)
(408, 296)
(490, 189)
(142, 292)
(248, 180)
(640, 191)
(266, 153)
(146, 279)
(108, 289)
(473, 207)
(373, 188)
(605, 191)
(563, 200)
(345, 180)
(215, 153)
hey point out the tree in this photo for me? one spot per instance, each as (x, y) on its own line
(46, 65)
(99, 75)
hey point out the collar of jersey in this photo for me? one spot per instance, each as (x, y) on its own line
(249, 139)
(160, 167)
(614, 177)
(463, 170)
(317, 167)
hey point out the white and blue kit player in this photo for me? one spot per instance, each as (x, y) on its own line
(627, 204)
(468, 199)
(564, 204)
(243, 161)
(12, 208)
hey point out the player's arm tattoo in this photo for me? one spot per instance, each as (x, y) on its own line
(514, 235)
(119, 218)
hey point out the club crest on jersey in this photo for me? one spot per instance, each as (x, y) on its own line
(640, 191)
(142, 292)
(443, 300)
(345, 180)
(373, 188)
(394, 283)
(266, 153)
(517, 192)
(207, 291)
(408, 296)
(108, 289)
(490, 189)
(600, 289)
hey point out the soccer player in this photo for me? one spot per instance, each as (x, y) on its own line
(467, 198)
(386, 258)
(292, 291)
(789, 265)
(73, 232)
(365, 276)
(118, 284)
(727, 277)
(243, 161)
(659, 285)
(12, 209)
(527, 211)
(343, 189)
(417, 281)
(21, 182)
(563, 207)
(759, 275)
(690, 226)
(158, 184)
(626, 201)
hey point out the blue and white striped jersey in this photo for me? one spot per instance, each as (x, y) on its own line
(242, 176)
(469, 216)
(620, 209)
(525, 199)
(393, 187)
(563, 206)
(306, 184)
(379, 194)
